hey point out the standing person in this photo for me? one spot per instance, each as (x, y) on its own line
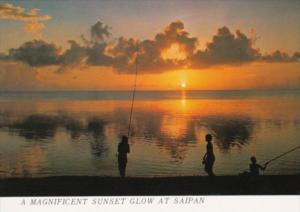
(123, 149)
(209, 157)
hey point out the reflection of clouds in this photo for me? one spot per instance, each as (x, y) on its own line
(96, 128)
(277, 123)
(41, 127)
(296, 123)
(172, 133)
(229, 131)
(27, 161)
(176, 133)
(36, 127)
(73, 126)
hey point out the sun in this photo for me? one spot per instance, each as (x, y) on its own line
(183, 85)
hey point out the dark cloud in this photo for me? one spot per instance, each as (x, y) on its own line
(124, 53)
(93, 52)
(149, 58)
(121, 54)
(36, 53)
(76, 54)
(226, 48)
(97, 56)
(296, 56)
(99, 32)
(175, 33)
(278, 56)
(173, 48)
(150, 51)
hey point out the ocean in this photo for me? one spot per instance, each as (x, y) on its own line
(58, 133)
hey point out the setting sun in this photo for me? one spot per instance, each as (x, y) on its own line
(183, 85)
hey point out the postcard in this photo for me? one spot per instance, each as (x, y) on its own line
(149, 105)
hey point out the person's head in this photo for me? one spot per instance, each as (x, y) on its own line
(124, 139)
(253, 159)
(208, 137)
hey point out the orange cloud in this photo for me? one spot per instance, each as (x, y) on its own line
(33, 26)
(32, 18)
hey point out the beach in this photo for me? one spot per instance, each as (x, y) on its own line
(115, 186)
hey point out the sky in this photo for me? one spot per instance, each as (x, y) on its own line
(94, 45)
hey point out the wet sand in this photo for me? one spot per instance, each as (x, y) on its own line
(194, 185)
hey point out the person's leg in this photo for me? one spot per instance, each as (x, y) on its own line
(120, 167)
(206, 168)
(210, 169)
(124, 169)
(122, 162)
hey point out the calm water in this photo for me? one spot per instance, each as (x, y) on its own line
(76, 133)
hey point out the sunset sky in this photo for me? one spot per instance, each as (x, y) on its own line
(93, 45)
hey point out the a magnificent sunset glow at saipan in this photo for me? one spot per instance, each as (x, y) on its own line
(149, 97)
(50, 45)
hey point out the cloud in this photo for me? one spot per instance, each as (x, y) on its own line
(76, 54)
(99, 32)
(226, 48)
(278, 56)
(173, 48)
(150, 50)
(296, 55)
(31, 17)
(121, 54)
(175, 33)
(97, 56)
(36, 53)
(33, 26)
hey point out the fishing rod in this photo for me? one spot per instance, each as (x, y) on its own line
(283, 154)
(277, 157)
(133, 96)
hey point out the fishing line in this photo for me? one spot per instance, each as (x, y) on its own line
(133, 96)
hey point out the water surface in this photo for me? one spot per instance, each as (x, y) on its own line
(76, 133)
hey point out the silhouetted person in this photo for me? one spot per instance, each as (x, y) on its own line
(123, 149)
(209, 157)
(255, 167)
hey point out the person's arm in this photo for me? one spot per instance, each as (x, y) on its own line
(118, 150)
(204, 157)
(261, 167)
(265, 166)
(128, 149)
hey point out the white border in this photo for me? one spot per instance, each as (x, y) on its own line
(277, 203)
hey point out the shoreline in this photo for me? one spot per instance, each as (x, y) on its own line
(183, 185)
